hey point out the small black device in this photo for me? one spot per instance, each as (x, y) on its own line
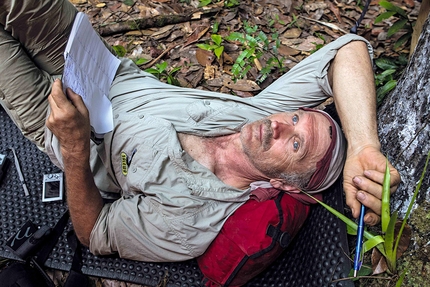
(26, 240)
(52, 187)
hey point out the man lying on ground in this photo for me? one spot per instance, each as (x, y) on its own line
(191, 155)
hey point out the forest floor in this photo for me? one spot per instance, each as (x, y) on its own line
(296, 28)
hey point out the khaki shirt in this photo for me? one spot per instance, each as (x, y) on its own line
(171, 207)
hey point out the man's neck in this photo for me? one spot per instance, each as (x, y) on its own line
(223, 156)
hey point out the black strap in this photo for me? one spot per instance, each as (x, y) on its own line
(75, 278)
(46, 248)
(49, 244)
(357, 24)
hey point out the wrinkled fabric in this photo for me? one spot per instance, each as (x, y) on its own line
(171, 207)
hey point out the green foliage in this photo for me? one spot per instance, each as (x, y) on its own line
(318, 46)
(402, 22)
(162, 72)
(388, 70)
(227, 3)
(294, 22)
(128, 2)
(388, 242)
(119, 50)
(216, 47)
(254, 44)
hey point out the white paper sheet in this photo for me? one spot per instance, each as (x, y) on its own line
(89, 71)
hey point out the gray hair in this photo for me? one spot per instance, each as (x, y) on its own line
(299, 180)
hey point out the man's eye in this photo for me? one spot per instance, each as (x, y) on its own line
(296, 145)
(295, 119)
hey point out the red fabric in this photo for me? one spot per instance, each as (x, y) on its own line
(243, 248)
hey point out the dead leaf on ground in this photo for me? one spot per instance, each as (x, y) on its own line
(204, 57)
(210, 72)
(197, 34)
(379, 264)
(242, 85)
(309, 44)
(404, 240)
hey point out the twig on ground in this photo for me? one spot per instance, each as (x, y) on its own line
(330, 25)
(151, 22)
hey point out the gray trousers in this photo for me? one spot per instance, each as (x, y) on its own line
(31, 55)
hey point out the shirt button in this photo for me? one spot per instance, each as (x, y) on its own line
(134, 169)
(141, 116)
(207, 102)
(116, 116)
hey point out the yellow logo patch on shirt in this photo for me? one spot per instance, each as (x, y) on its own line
(124, 163)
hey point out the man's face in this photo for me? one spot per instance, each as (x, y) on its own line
(286, 142)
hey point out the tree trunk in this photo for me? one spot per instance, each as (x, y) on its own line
(404, 124)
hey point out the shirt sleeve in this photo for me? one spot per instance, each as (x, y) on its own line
(306, 84)
(132, 228)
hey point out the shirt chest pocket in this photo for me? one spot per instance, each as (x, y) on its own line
(138, 143)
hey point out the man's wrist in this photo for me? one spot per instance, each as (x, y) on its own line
(357, 148)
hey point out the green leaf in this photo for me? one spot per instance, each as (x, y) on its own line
(388, 72)
(251, 40)
(152, 71)
(364, 271)
(217, 39)
(351, 224)
(389, 244)
(204, 3)
(385, 63)
(391, 7)
(235, 36)
(161, 66)
(385, 76)
(385, 89)
(119, 50)
(372, 242)
(218, 51)
(128, 2)
(141, 61)
(402, 40)
(240, 59)
(399, 24)
(206, 47)
(401, 278)
(417, 188)
(389, 235)
(351, 230)
(384, 16)
(263, 38)
(174, 70)
(215, 27)
(385, 211)
(235, 70)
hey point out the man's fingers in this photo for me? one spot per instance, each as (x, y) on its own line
(371, 218)
(370, 186)
(57, 95)
(378, 177)
(351, 200)
(77, 101)
(371, 202)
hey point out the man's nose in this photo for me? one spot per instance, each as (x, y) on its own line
(280, 129)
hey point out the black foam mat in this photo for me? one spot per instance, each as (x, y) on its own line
(316, 257)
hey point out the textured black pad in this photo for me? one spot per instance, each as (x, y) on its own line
(315, 258)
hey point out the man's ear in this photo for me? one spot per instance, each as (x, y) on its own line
(283, 185)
